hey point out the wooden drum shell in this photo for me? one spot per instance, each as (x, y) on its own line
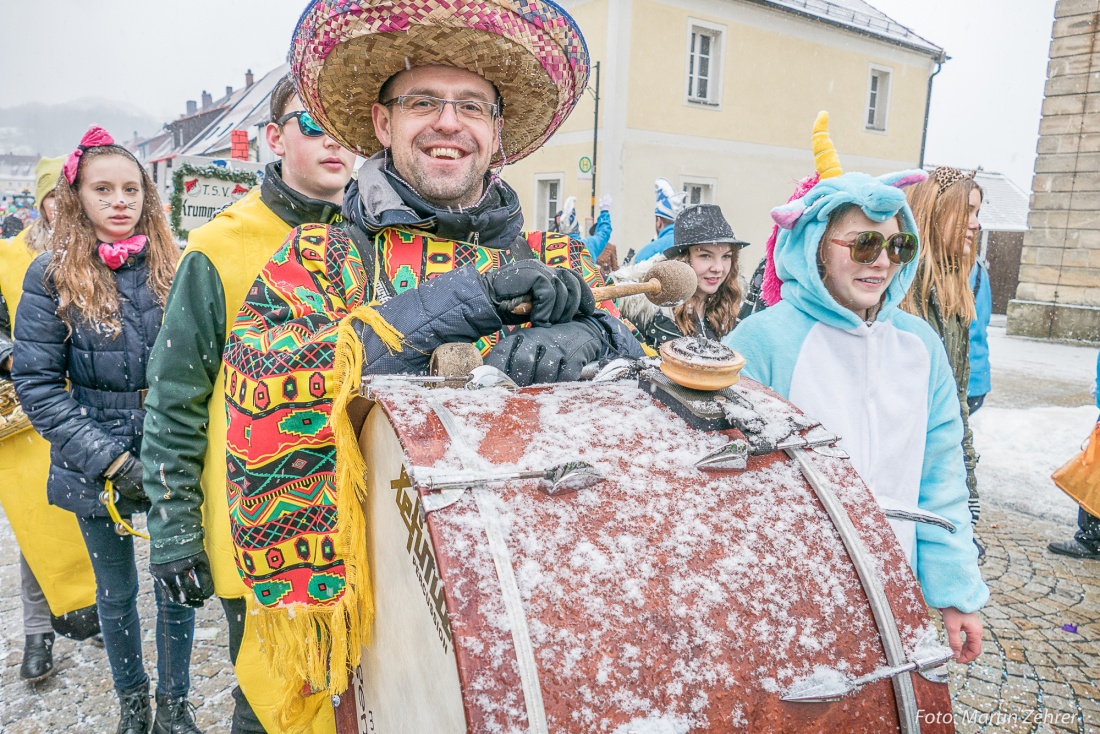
(664, 596)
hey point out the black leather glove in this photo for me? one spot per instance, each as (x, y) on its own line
(556, 294)
(127, 479)
(549, 353)
(187, 580)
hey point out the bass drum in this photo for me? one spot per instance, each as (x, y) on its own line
(664, 598)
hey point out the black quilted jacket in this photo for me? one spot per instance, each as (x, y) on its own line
(83, 392)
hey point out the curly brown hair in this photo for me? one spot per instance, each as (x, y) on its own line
(719, 309)
(86, 290)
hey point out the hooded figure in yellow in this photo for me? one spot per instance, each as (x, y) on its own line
(55, 571)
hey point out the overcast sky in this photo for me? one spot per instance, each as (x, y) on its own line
(987, 99)
(154, 55)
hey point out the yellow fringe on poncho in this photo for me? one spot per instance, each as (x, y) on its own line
(315, 649)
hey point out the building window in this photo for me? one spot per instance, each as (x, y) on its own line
(548, 199)
(698, 190)
(704, 63)
(698, 193)
(878, 98)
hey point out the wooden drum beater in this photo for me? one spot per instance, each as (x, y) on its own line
(667, 283)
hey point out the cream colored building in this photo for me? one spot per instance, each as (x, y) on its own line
(718, 96)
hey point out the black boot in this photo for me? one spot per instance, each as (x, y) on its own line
(136, 715)
(174, 716)
(37, 657)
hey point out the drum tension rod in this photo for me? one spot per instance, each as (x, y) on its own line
(482, 377)
(570, 476)
(830, 684)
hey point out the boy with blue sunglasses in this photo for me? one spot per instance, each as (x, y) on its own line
(191, 552)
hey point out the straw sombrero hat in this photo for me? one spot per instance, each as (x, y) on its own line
(531, 50)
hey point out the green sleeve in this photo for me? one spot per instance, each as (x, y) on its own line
(182, 369)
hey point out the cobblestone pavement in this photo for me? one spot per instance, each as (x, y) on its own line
(1040, 662)
(80, 698)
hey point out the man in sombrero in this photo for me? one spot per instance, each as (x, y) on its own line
(438, 95)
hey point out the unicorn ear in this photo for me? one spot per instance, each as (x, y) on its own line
(786, 216)
(901, 179)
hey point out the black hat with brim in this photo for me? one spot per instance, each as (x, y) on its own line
(702, 224)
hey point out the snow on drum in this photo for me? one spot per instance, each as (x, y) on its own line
(692, 588)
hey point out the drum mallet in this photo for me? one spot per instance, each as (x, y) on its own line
(667, 283)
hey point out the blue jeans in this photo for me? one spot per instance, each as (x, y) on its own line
(1088, 530)
(116, 590)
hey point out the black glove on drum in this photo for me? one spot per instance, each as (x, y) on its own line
(549, 353)
(187, 580)
(127, 480)
(556, 294)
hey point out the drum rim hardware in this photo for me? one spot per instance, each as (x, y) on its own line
(928, 656)
(895, 510)
(905, 695)
(506, 576)
(564, 478)
(479, 378)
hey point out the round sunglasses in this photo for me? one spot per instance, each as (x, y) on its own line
(306, 124)
(865, 248)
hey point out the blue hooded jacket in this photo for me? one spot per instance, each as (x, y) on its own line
(979, 331)
(597, 241)
(656, 247)
(885, 386)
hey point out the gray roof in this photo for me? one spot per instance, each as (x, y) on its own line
(1004, 204)
(861, 17)
(248, 108)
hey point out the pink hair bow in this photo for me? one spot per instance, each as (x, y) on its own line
(95, 136)
(115, 255)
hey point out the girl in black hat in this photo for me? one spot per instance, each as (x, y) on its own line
(705, 241)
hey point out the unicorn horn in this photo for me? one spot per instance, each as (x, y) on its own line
(826, 160)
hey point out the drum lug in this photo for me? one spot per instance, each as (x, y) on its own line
(935, 675)
(834, 451)
(733, 456)
(616, 369)
(438, 500)
(816, 440)
(489, 376)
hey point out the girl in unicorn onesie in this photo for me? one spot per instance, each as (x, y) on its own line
(839, 348)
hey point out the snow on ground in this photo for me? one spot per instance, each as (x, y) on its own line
(1020, 448)
(1051, 359)
(1035, 418)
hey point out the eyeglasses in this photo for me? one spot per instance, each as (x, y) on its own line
(306, 124)
(423, 105)
(865, 248)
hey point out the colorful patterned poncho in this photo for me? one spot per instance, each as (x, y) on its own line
(295, 474)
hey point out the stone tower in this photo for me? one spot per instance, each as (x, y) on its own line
(1059, 291)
